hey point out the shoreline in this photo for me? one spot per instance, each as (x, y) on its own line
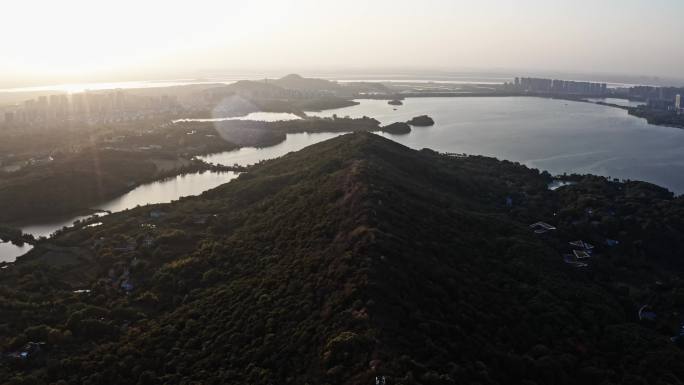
(90, 213)
(651, 118)
(284, 128)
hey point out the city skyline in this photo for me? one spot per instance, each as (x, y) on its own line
(79, 41)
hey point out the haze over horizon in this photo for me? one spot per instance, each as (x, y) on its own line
(80, 41)
(434, 192)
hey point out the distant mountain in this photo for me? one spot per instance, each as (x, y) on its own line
(291, 93)
(290, 85)
(356, 259)
(254, 86)
(249, 88)
(297, 82)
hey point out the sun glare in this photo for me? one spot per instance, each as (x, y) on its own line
(357, 192)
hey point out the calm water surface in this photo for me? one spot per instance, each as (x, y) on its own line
(157, 192)
(554, 135)
(251, 155)
(260, 116)
(9, 252)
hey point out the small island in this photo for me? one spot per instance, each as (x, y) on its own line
(421, 121)
(398, 128)
(395, 102)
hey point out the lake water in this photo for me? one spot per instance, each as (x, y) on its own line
(260, 116)
(555, 135)
(251, 155)
(9, 252)
(157, 192)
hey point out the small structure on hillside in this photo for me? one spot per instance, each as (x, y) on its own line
(582, 245)
(557, 183)
(148, 242)
(581, 254)
(646, 314)
(27, 352)
(200, 219)
(541, 227)
(125, 247)
(461, 155)
(98, 242)
(572, 260)
(127, 286)
(156, 214)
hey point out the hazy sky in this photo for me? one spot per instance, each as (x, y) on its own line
(78, 40)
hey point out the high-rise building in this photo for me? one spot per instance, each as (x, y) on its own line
(564, 87)
(678, 102)
(78, 104)
(42, 109)
(9, 117)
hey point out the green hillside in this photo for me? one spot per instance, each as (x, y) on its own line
(353, 259)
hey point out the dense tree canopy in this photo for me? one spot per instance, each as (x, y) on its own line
(356, 258)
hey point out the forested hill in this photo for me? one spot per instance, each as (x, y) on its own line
(358, 258)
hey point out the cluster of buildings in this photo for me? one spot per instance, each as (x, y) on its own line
(87, 107)
(657, 98)
(666, 99)
(559, 87)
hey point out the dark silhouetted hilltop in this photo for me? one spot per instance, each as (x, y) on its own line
(398, 128)
(297, 82)
(421, 121)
